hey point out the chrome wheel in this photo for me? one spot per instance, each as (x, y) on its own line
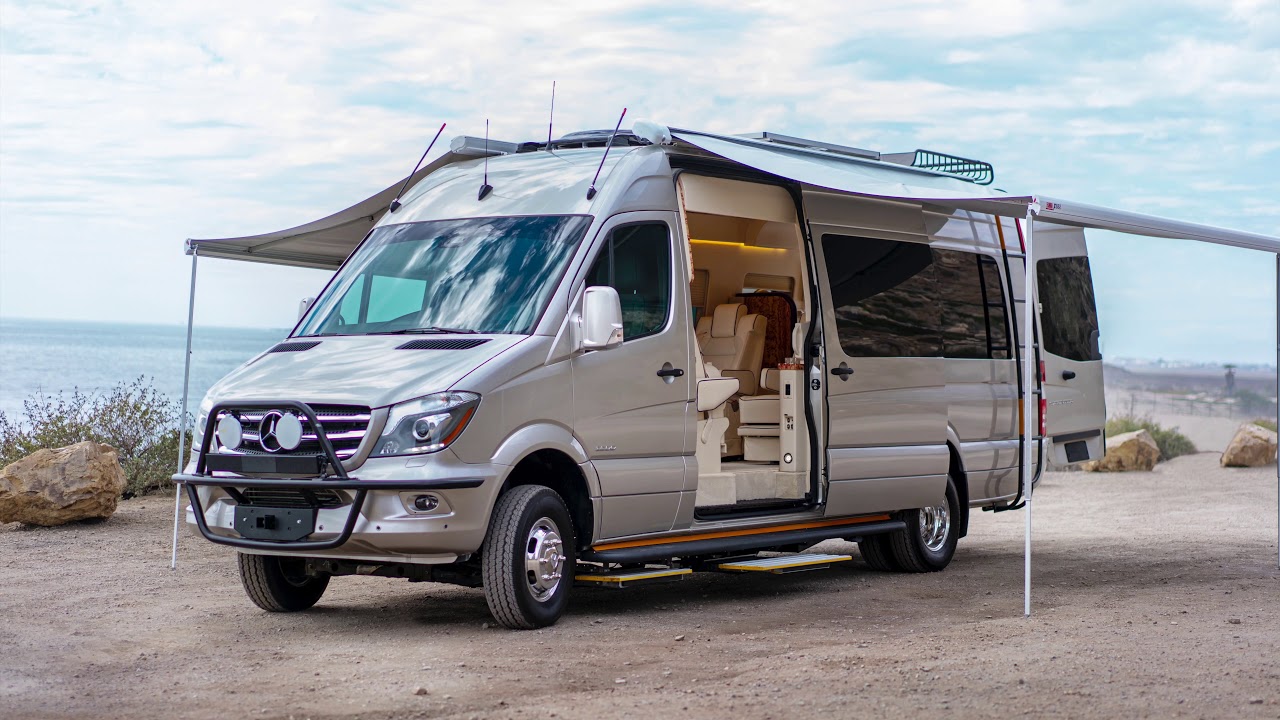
(543, 559)
(935, 526)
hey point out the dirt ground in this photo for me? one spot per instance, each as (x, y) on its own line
(1156, 595)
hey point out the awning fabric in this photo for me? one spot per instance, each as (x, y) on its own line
(872, 178)
(324, 243)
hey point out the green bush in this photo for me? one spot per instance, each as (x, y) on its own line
(1268, 424)
(140, 422)
(1254, 402)
(1171, 442)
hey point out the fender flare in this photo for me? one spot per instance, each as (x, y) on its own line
(545, 436)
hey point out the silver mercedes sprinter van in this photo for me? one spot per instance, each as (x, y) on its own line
(623, 357)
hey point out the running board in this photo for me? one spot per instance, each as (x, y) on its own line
(632, 577)
(716, 544)
(785, 563)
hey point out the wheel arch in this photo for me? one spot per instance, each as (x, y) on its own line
(555, 469)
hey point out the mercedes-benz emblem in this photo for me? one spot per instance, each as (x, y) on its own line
(279, 431)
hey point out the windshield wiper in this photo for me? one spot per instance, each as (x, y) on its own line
(426, 331)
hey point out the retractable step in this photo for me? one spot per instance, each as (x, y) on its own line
(784, 563)
(627, 578)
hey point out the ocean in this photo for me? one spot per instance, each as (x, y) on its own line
(52, 355)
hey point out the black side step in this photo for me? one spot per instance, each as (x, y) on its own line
(741, 543)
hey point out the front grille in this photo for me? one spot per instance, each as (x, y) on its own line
(344, 425)
(288, 498)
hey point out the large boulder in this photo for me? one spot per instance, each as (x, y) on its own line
(53, 487)
(1129, 451)
(1252, 446)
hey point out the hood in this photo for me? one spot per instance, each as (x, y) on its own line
(359, 370)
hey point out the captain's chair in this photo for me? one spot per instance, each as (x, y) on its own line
(733, 341)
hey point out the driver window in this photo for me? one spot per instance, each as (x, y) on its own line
(636, 261)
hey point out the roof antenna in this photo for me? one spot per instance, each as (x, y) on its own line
(486, 188)
(395, 204)
(591, 191)
(552, 118)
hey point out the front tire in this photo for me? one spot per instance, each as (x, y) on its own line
(929, 542)
(280, 584)
(528, 558)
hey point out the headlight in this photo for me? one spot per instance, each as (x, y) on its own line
(427, 424)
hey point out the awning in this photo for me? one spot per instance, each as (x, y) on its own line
(876, 179)
(324, 243)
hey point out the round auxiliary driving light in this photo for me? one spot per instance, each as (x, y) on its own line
(787, 458)
(289, 432)
(229, 432)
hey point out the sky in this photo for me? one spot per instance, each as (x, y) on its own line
(126, 127)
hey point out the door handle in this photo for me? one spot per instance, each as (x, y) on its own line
(670, 372)
(843, 372)
(1068, 374)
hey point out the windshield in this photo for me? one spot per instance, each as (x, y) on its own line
(488, 275)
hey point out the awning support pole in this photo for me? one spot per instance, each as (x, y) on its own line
(1278, 406)
(182, 432)
(1030, 403)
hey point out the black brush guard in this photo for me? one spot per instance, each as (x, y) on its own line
(331, 475)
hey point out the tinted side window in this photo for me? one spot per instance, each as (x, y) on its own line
(960, 291)
(1068, 315)
(884, 296)
(636, 261)
(973, 312)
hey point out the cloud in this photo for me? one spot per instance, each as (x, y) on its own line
(129, 126)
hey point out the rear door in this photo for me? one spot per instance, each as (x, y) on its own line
(1076, 409)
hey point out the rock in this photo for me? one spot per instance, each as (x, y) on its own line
(54, 487)
(1130, 451)
(1252, 446)
(420, 690)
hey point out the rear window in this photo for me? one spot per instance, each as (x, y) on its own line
(1068, 315)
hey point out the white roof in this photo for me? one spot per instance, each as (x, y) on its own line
(325, 243)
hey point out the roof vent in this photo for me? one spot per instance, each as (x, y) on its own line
(975, 171)
(294, 346)
(443, 344)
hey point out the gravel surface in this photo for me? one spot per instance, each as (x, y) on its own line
(1156, 595)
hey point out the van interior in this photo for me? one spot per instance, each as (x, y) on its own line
(749, 293)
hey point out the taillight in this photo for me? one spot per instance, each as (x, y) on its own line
(1044, 417)
(1043, 375)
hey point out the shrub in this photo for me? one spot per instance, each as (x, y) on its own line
(1254, 402)
(140, 422)
(1171, 442)
(1268, 424)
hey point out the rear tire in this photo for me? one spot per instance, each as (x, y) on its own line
(929, 542)
(877, 553)
(280, 584)
(528, 558)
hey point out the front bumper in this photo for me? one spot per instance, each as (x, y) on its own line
(374, 517)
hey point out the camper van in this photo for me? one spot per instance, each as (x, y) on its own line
(624, 357)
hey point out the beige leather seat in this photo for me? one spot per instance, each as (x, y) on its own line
(733, 341)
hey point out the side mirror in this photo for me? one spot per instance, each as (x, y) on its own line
(304, 306)
(601, 318)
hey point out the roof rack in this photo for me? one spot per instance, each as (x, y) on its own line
(975, 171)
